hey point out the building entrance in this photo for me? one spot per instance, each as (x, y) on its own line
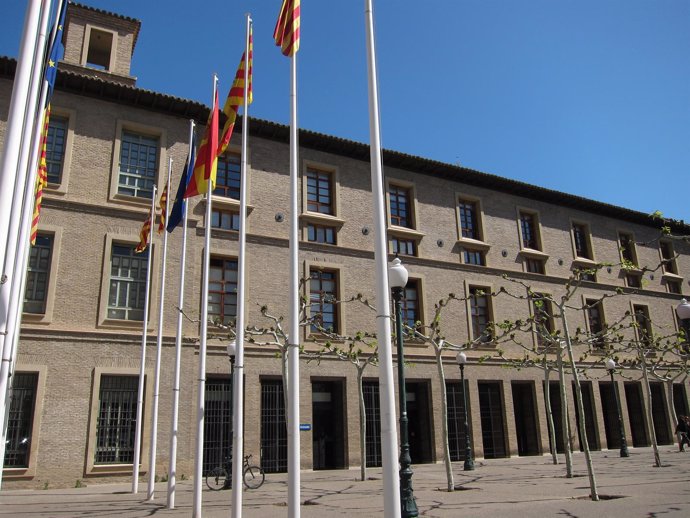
(328, 424)
(419, 422)
(491, 411)
(633, 396)
(525, 418)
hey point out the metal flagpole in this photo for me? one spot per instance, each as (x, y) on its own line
(17, 244)
(159, 348)
(9, 159)
(142, 368)
(237, 383)
(172, 476)
(199, 455)
(389, 436)
(294, 475)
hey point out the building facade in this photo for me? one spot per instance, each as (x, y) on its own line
(457, 230)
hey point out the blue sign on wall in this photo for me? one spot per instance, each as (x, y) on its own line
(304, 427)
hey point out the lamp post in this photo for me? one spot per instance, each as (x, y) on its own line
(232, 350)
(683, 312)
(611, 367)
(469, 462)
(397, 278)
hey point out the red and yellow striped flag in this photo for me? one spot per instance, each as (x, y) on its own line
(162, 203)
(236, 97)
(206, 163)
(41, 178)
(144, 234)
(286, 33)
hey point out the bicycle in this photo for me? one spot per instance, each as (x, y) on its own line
(219, 478)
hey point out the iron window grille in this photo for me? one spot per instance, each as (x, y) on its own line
(127, 283)
(116, 424)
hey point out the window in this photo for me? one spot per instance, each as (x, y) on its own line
(222, 290)
(323, 297)
(533, 265)
(127, 282)
(224, 220)
(480, 310)
(38, 275)
(228, 176)
(321, 234)
(586, 274)
(55, 148)
(99, 50)
(476, 257)
(581, 241)
(319, 192)
(644, 324)
(138, 165)
(627, 248)
(410, 304)
(22, 400)
(543, 318)
(668, 257)
(633, 280)
(674, 286)
(469, 223)
(528, 229)
(116, 422)
(595, 320)
(400, 206)
(400, 246)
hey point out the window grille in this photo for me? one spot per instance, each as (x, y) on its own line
(38, 274)
(20, 419)
(127, 283)
(138, 165)
(116, 425)
(273, 427)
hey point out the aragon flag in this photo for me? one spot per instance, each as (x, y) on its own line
(286, 33)
(206, 162)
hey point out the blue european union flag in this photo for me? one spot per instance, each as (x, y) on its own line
(177, 211)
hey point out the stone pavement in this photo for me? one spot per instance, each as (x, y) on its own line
(520, 486)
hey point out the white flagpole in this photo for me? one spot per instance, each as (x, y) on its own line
(178, 353)
(142, 368)
(9, 159)
(199, 456)
(159, 348)
(294, 475)
(237, 382)
(389, 435)
(18, 229)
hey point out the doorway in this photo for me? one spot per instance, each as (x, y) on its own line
(633, 395)
(419, 421)
(328, 417)
(491, 412)
(524, 408)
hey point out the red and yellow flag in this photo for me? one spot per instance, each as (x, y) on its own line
(41, 178)
(162, 203)
(236, 97)
(206, 162)
(286, 33)
(144, 235)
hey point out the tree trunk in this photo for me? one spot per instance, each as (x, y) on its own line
(650, 413)
(549, 414)
(444, 419)
(564, 415)
(362, 424)
(581, 412)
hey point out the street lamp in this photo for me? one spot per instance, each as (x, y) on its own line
(232, 351)
(683, 312)
(469, 462)
(611, 367)
(397, 278)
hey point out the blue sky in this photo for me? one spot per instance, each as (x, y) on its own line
(588, 97)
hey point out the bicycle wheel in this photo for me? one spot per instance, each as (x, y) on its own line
(215, 479)
(253, 477)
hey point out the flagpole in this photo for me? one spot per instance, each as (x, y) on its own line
(199, 456)
(142, 368)
(17, 244)
(9, 159)
(389, 436)
(178, 352)
(237, 382)
(159, 347)
(294, 474)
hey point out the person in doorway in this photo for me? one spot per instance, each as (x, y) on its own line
(683, 431)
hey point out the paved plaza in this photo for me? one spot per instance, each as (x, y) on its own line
(521, 486)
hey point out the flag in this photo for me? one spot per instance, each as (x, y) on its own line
(207, 158)
(163, 204)
(50, 73)
(286, 33)
(144, 235)
(236, 97)
(177, 211)
(41, 178)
